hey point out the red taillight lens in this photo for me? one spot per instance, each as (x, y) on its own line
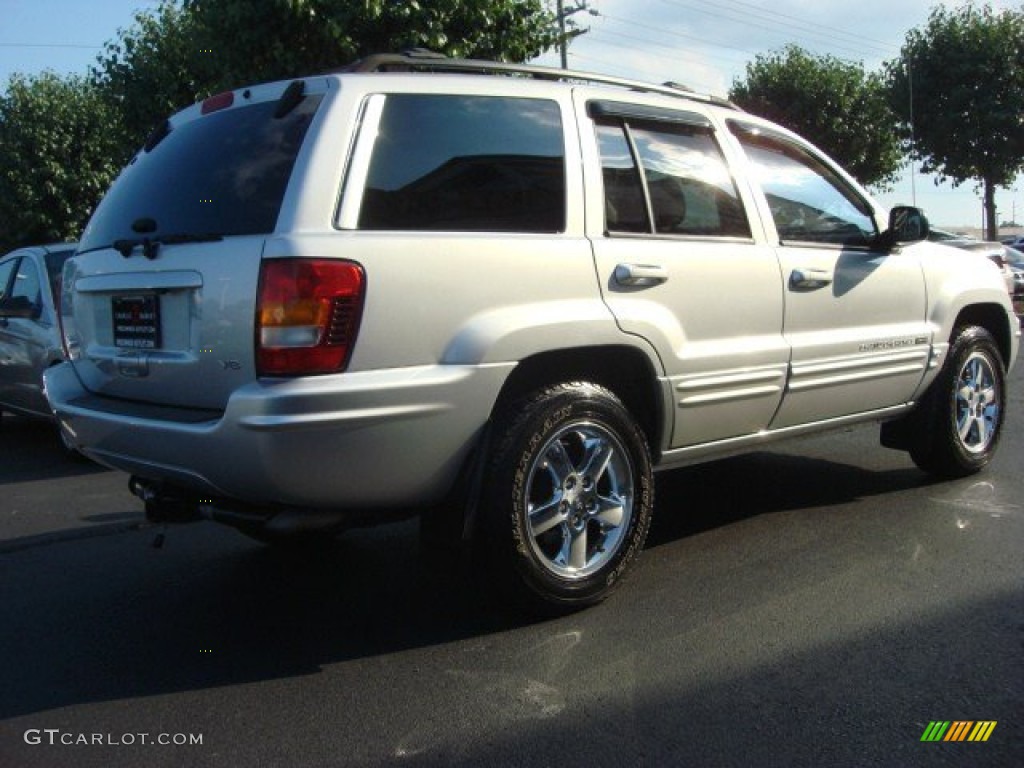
(307, 316)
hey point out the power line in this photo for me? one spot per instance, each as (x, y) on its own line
(830, 31)
(769, 25)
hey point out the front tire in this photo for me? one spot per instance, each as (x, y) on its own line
(961, 416)
(567, 497)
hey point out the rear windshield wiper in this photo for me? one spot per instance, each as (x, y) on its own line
(151, 245)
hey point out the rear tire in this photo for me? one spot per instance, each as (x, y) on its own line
(567, 497)
(959, 421)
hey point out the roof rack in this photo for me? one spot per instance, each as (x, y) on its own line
(422, 60)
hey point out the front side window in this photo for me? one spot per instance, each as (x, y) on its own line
(684, 189)
(466, 163)
(810, 202)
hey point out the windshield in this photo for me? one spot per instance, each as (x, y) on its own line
(223, 173)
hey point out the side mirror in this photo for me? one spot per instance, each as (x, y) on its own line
(907, 224)
(19, 307)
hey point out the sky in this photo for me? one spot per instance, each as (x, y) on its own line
(705, 44)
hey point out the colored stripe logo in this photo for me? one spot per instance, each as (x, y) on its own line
(958, 730)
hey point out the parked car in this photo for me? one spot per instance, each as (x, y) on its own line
(993, 251)
(1015, 261)
(29, 334)
(508, 300)
(1014, 241)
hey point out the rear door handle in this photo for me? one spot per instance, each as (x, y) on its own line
(640, 274)
(809, 279)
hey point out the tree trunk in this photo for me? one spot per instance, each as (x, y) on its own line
(991, 223)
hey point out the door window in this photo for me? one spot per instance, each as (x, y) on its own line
(669, 179)
(26, 283)
(6, 270)
(809, 201)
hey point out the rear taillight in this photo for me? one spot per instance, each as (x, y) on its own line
(307, 315)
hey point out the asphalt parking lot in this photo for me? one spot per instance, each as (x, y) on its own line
(819, 604)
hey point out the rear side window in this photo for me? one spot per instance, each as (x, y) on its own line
(6, 271)
(667, 178)
(466, 163)
(26, 283)
(224, 173)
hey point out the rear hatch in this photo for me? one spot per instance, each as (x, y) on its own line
(159, 305)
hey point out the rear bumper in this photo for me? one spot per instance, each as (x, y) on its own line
(375, 439)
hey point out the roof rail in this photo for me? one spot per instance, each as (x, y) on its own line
(422, 60)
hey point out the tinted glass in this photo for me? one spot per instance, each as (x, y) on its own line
(691, 190)
(466, 163)
(26, 283)
(6, 271)
(624, 205)
(224, 173)
(808, 200)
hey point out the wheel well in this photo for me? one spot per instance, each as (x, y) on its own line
(992, 318)
(626, 371)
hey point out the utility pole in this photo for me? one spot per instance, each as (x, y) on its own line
(563, 44)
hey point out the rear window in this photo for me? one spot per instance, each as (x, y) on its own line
(466, 163)
(222, 174)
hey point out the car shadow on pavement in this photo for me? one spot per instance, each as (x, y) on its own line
(121, 619)
(30, 449)
(700, 498)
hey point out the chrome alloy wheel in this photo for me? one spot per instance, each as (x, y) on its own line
(579, 500)
(977, 403)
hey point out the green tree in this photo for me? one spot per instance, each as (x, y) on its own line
(957, 89)
(184, 51)
(152, 69)
(56, 157)
(834, 104)
(261, 40)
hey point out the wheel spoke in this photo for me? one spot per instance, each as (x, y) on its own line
(558, 461)
(610, 511)
(965, 425)
(983, 430)
(578, 548)
(988, 395)
(546, 516)
(598, 453)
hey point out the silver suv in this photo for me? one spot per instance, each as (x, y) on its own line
(507, 295)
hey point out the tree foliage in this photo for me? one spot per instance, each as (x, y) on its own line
(834, 104)
(152, 69)
(63, 140)
(184, 51)
(57, 157)
(957, 89)
(257, 40)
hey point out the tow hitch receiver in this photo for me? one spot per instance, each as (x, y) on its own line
(163, 504)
